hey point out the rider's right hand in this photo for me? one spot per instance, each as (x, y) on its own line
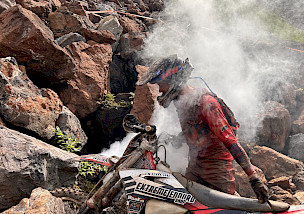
(260, 189)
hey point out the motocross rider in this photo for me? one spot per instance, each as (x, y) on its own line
(211, 140)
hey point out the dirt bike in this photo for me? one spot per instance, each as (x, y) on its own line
(139, 182)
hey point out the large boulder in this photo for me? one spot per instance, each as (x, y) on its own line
(40, 201)
(83, 92)
(25, 36)
(25, 105)
(275, 126)
(5, 4)
(273, 163)
(40, 7)
(296, 147)
(27, 163)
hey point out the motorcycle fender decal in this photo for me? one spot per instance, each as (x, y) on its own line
(99, 159)
(135, 204)
(144, 172)
(178, 196)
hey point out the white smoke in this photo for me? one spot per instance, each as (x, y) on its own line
(226, 43)
(232, 48)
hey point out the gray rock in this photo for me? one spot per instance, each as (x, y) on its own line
(298, 180)
(69, 39)
(296, 147)
(275, 126)
(103, 7)
(70, 125)
(111, 24)
(27, 163)
(5, 4)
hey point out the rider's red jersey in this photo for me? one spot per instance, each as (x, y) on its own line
(206, 129)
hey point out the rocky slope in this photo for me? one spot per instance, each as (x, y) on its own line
(58, 61)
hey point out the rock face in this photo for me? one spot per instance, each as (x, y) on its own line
(23, 104)
(25, 36)
(40, 201)
(27, 163)
(85, 90)
(276, 125)
(296, 147)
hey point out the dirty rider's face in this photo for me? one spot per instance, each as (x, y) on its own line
(163, 87)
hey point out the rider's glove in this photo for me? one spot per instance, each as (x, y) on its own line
(260, 189)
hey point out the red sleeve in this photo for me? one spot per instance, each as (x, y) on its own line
(214, 117)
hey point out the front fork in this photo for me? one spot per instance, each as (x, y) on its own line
(99, 198)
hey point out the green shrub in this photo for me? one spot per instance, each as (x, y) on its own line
(65, 142)
(109, 101)
(90, 168)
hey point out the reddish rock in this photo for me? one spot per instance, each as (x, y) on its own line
(25, 36)
(40, 7)
(85, 90)
(276, 125)
(63, 22)
(78, 7)
(273, 163)
(95, 18)
(129, 25)
(145, 98)
(40, 201)
(100, 36)
(284, 182)
(24, 104)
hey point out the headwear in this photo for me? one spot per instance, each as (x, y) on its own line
(171, 70)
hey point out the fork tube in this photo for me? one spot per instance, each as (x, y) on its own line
(95, 200)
